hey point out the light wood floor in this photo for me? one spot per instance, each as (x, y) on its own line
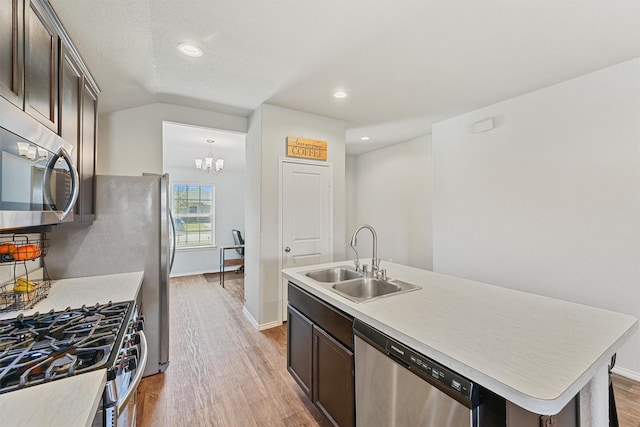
(627, 394)
(224, 372)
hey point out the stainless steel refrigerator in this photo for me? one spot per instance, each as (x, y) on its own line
(132, 232)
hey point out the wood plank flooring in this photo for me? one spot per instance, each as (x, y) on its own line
(224, 372)
(627, 393)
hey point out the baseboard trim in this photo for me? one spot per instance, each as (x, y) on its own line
(194, 273)
(256, 324)
(632, 375)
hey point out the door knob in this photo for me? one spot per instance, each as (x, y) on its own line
(287, 249)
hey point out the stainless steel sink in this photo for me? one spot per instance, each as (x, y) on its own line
(355, 286)
(333, 275)
(365, 289)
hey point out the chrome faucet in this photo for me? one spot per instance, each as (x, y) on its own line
(356, 262)
(375, 263)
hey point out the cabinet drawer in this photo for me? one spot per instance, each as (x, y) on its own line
(335, 322)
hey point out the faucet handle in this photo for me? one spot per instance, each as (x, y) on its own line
(364, 269)
(356, 263)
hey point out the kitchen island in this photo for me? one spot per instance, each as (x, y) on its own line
(72, 401)
(534, 351)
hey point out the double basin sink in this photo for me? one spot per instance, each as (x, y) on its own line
(354, 286)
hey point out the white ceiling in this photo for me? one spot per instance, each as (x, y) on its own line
(406, 64)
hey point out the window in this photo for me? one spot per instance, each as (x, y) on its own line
(194, 215)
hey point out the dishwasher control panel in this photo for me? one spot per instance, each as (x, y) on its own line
(433, 370)
(448, 381)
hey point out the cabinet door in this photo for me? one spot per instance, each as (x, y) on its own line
(300, 348)
(78, 119)
(333, 379)
(88, 146)
(70, 102)
(11, 42)
(41, 71)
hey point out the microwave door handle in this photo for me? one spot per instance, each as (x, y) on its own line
(75, 181)
(133, 386)
(64, 155)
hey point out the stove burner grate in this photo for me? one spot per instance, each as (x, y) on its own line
(45, 347)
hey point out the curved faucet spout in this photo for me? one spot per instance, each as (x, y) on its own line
(354, 241)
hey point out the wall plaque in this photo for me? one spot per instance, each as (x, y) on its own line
(306, 148)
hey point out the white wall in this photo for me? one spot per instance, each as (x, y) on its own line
(393, 194)
(130, 141)
(266, 144)
(351, 206)
(253, 217)
(548, 201)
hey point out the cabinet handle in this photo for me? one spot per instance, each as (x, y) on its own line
(287, 249)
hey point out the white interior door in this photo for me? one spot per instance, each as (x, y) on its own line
(306, 214)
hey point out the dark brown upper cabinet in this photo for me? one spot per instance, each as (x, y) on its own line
(11, 51)
(41, 66)
(78, 125)
(87, 167)
(43, 74)
(71, 87)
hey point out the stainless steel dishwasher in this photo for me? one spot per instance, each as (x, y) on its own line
(396, 386)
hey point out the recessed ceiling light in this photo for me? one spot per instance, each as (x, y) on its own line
(189, 50)
(340, 94)
(364, 138)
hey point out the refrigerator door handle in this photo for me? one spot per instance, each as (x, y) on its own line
(173, 240)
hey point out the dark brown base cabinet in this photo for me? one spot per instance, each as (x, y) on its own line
(333, 378)
(320, 355)
(300, 348)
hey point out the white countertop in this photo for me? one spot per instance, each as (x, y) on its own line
(88, 291)
(535, 351)
(72, 401)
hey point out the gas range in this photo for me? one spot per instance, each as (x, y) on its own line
(45, 347)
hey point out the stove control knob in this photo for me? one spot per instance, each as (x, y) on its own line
(139, 324)
(133, 352)
(131, 364)
(121, 362)
(127, 364)
(135, 338)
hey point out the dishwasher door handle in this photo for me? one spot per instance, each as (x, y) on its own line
(398, 360)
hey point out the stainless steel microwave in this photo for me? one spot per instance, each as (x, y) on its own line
(38, 177)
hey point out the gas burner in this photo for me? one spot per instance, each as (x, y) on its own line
(63, 317)
(61, 365)
(45, 347)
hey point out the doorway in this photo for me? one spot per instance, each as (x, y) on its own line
(206, 205)
(306, 217)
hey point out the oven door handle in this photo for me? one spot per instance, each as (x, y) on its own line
(133, 387)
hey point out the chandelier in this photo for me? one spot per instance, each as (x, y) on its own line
(209, 163)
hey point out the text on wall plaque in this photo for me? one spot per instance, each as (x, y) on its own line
(306, 148)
